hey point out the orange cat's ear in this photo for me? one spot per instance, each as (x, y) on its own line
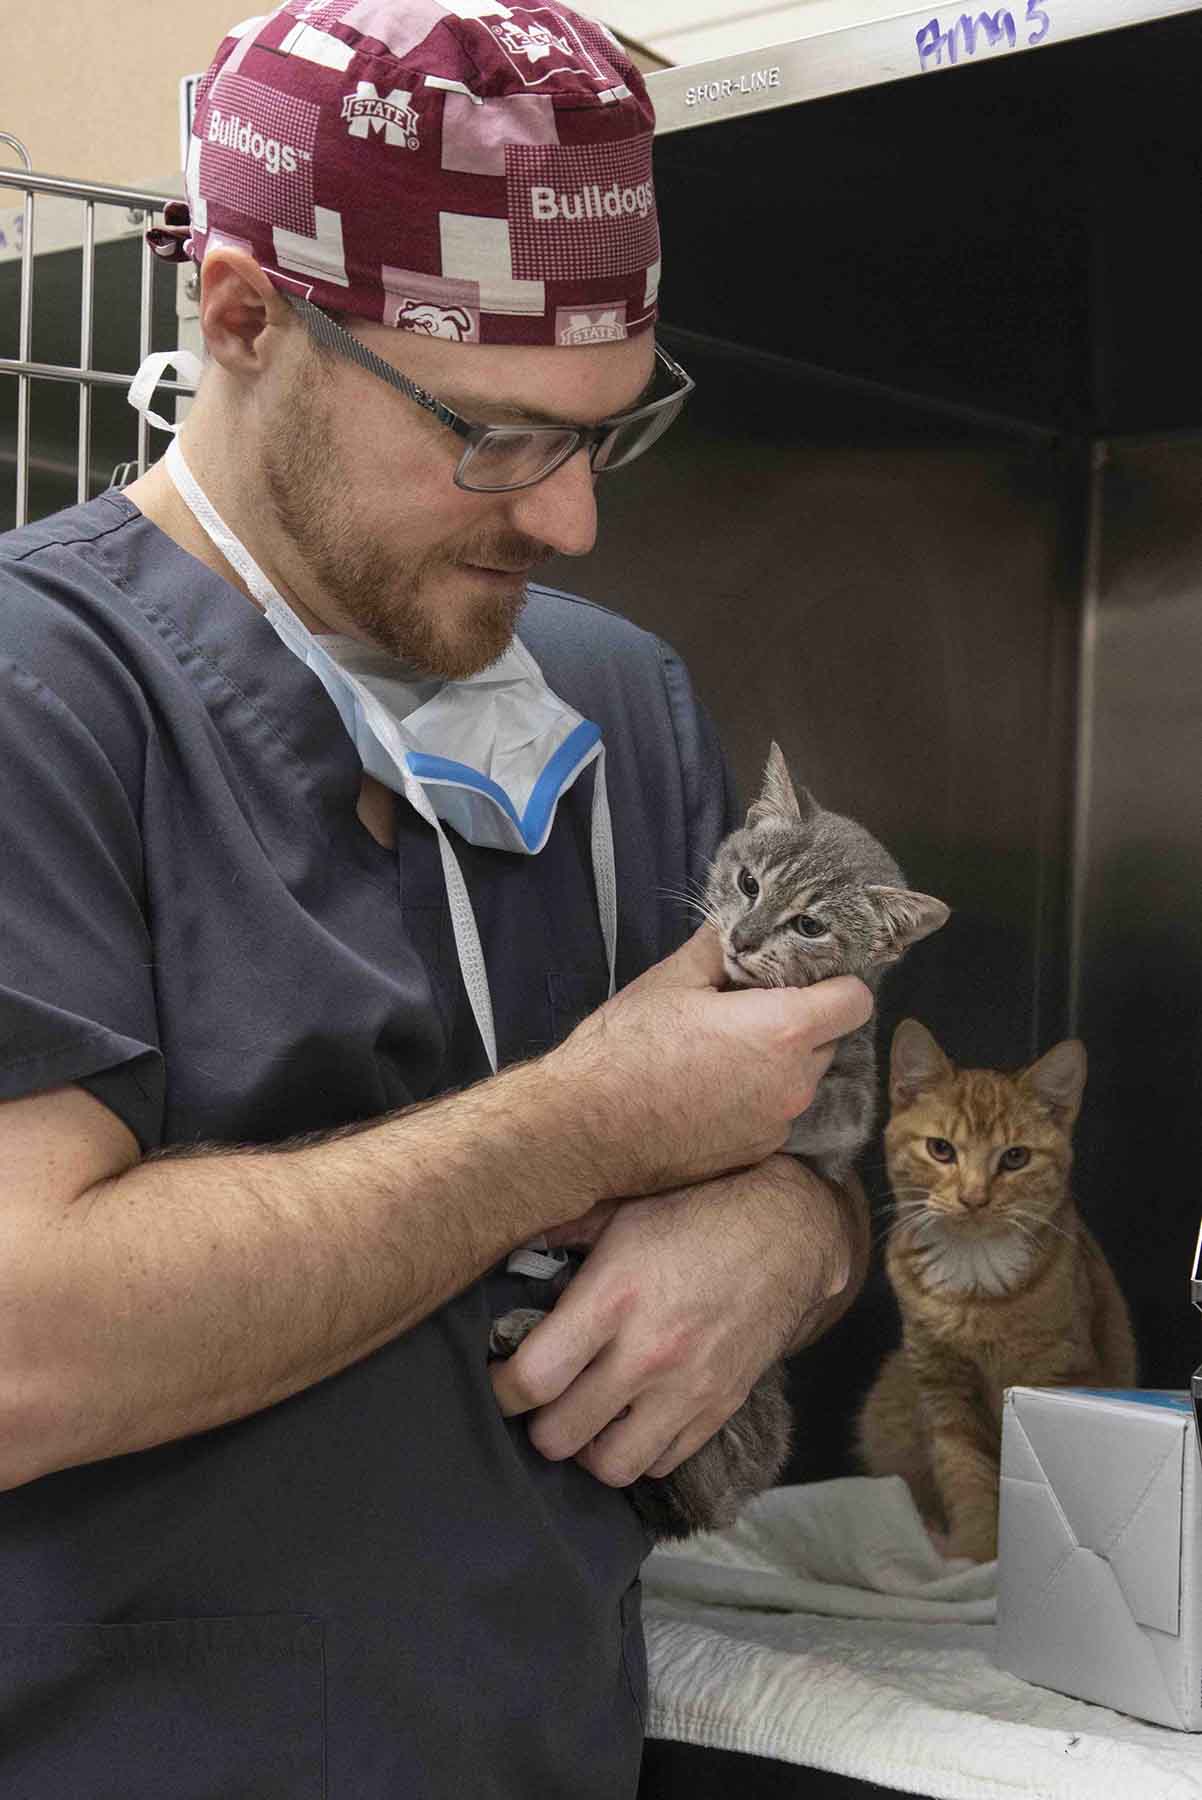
(778, 799)
(915, 1063)
(1058, 1079)
(905, 917)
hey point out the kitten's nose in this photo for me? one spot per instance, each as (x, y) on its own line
(974, 1198)
(742, 938)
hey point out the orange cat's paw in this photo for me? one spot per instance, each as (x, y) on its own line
(977, 1546)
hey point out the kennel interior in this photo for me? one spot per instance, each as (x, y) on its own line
(933, 519)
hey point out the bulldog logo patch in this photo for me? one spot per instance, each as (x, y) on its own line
(541, 43)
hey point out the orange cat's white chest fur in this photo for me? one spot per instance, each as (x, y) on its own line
(950, 1261)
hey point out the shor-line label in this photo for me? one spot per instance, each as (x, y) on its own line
(752, 81)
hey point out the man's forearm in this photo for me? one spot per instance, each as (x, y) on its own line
(841, 1229)
(199, 1287)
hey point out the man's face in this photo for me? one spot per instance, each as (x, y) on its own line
(360, 479)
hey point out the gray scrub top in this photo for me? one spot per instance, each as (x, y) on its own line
(376, 1588)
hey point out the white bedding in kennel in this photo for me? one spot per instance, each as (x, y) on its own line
(825, 1630)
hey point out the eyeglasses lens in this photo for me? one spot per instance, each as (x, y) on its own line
(507, 459)
(633, 436)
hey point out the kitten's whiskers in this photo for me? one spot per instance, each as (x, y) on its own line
(695, 903)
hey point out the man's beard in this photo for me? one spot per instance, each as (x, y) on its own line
(381, 592)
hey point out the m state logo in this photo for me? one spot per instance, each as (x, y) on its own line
(541, 43)
(597, 325)
(367, 111)
(453, 322)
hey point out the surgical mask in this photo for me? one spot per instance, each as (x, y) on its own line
(491, 755)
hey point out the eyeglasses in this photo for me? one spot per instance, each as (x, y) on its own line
(500, 458)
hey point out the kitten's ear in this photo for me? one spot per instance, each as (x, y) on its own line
(778, 799)
(915, 1063)
(1058, 1079)
(906, 917)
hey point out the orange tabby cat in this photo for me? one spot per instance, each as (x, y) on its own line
(999, 1281)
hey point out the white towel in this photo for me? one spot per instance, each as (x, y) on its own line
(825, 1630)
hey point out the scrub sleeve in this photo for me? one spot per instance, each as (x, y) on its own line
(77, 996)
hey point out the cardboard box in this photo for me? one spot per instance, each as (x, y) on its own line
(1100, 1549)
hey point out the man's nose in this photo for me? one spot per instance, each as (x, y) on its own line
(561, 511)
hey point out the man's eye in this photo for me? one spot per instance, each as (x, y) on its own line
(809, 926)
(748, 883)
(941, 1150)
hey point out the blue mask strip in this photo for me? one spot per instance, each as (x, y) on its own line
(546, 789)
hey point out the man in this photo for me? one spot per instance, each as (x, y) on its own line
(271, 1525)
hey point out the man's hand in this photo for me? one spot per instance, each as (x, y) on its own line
(683, 1301)
(673, 1081)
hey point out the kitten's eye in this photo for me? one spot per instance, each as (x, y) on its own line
(809, 926)
(1017, 1157)
(748, 883)
(941, 1150)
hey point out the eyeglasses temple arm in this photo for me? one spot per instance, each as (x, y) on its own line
(331, 334)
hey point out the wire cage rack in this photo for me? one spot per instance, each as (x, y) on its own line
(140, 272)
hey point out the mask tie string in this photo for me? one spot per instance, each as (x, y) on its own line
(603, 869)
(186, 365)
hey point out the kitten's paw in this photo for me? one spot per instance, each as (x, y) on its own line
(511, 1328)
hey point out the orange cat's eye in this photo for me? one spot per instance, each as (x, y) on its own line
(1017, 1157)
(941, 1150)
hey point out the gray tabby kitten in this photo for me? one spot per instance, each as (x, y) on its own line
(796, 894)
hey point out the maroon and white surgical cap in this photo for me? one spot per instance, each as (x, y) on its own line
(455, 167)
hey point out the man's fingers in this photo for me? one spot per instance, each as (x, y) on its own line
(841, 1002)
(648, 1440)
(682, 1447)
(697, 964)
(626, 1447)
(837, 1006)
(547, 1362)
(597, 1398)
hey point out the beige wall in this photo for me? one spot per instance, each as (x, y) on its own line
(91, 86)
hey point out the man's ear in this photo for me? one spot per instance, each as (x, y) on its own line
(237, 303)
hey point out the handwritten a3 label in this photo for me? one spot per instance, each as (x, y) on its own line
(966, 35)
(14, 237)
